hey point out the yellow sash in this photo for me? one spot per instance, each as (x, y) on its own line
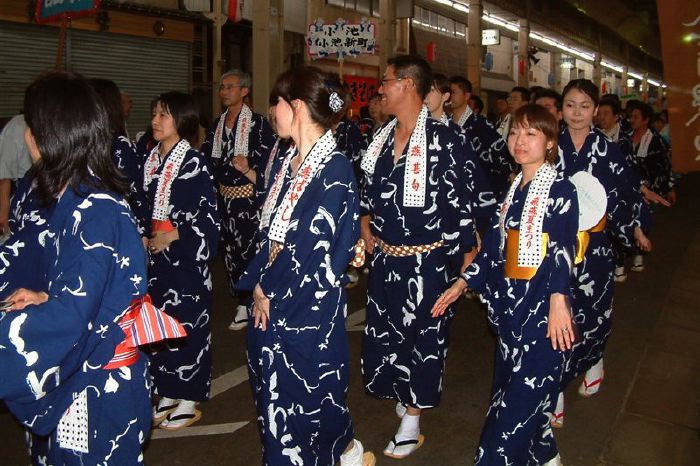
(513, 270)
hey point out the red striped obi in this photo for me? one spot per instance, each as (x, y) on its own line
(143, 323)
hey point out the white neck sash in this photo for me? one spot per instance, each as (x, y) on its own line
(532, 216)
(245, 118)
(171, 168)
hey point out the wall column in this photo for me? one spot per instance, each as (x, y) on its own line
(555, 67)
(268, 47)
(597, 71)
(523, 61)
(474, 45)
(387, 32)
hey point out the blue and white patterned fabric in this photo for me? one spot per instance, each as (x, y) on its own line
(299, 366)
(527, 371)
(404, 347)
(92, 265)
(239, 216)
(179, 280)
(592, 297)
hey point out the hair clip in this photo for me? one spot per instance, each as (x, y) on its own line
(335, 102)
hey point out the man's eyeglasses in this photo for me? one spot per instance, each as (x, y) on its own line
(386, 80)
(228, 87)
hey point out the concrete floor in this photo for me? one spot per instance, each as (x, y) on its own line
(647, 412)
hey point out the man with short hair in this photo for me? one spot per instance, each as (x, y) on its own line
(235, 147)
(552, 101)
(518, 97)
(14, 163)
(501, 109)
(491, 148)
(412, 219)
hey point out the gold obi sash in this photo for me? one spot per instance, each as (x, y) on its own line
(513, 270)
(583, 238)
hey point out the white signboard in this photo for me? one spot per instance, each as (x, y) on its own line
(340, 39)
(490, 37)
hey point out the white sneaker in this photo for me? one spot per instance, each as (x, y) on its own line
(620, 274)
(638, 263)
(240, 321)
(592, 380)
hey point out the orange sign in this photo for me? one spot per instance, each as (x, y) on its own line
(679, 25)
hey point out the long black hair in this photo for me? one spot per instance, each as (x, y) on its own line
(69, 123)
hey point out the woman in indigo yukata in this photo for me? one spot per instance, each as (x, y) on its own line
(298, 354)
(64, 377)
(415, 223)
(583, 149)
(527, 290)
(182, 231)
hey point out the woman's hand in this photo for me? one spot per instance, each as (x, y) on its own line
(261, 308)
(641, 240)
(366, 234)
(650, 197)
(560, 325)
(448, 297)
(23, 297)
(161, 240)
(671, 197)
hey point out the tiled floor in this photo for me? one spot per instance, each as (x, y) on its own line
(647, 412)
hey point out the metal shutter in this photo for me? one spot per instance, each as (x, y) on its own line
(26, 52)
(142, 67)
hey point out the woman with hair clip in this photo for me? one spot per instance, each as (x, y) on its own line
(523, 273)
(613, 208)
(70, 375)
(298, 353)
(182, 232)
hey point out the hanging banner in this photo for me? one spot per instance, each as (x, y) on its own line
(340, 39)
(55, 10)
(361, 89)
(679, 25)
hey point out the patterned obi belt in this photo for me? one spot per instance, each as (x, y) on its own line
(513, 270)
(405, 251)
(583, 238)
(357, 261)
(142, 324)
(237, 192)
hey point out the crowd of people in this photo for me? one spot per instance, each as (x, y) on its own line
(106, 285)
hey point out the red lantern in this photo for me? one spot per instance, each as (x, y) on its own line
(431, 52)
(521, 67)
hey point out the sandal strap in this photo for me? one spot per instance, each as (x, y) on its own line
(162, 409)
(404, 442)
(182, 416)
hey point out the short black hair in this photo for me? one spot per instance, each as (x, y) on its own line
(183, 110)
(543, 92)
(586, 86)
(646, 110)
(441, 83)
(502, 97)
(112, 99)
(314, 87)
(524, 92)
(612, 103)
(416, 68)
(70, 125)
(479, 103)
(462, 82)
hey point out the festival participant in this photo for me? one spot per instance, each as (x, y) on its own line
(481, 205)
(517, 97)
(182, 231)
(489, 145)
(523, 273)
(236, 148)
(412, 215)
(586, 154)
(298, 351)
(651, 157)
(69, 374)
(123, 150)
(551, 100)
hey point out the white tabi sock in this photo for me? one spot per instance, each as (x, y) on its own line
(354, 456)
(409, 428)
